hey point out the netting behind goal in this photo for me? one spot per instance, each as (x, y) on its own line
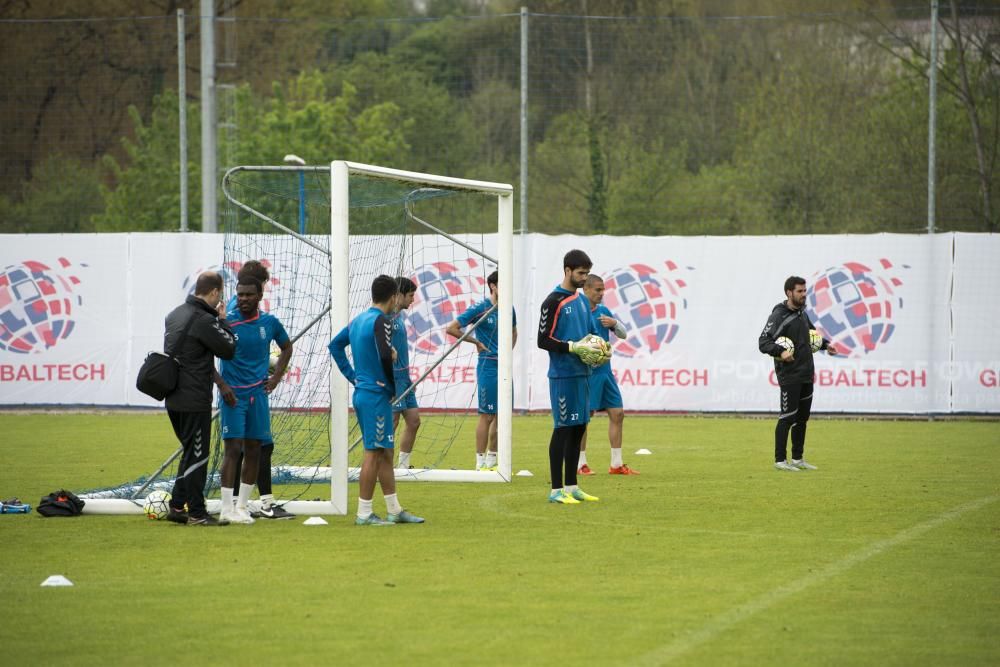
(441, 233)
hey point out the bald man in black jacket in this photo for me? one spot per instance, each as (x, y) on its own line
(196, 333)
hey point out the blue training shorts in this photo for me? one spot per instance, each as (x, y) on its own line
(374, 413)
(604, 392)
(403, 383)
(570, 401)
(487, 379)
(249, 419)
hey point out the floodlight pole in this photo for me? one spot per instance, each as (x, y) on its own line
(932, 121)
(209, 159)
(523, 195)
(182, 117)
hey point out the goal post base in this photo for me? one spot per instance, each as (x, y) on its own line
(122, 506)
(436, 475)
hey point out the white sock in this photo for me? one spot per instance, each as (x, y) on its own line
(480, 460)
(227, 499)
(267, 500)
(616, 458)
(404, 459)
(491, 459)
(245, 490)
(392, 504)
(364, 508)
(583, 460)
(570, 489)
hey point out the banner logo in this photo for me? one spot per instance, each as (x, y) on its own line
(445, 290)
(36, 305)
(853, 306)
(649, 304)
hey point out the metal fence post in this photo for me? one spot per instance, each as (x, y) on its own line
(182, 117)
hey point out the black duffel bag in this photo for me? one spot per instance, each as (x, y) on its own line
(159, 372)
(60, 503)
(158, 375)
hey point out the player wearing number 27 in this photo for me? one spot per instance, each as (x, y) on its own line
(563, 322)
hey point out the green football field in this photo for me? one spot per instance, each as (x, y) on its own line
(889, 554)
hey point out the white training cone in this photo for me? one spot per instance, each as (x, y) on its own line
(524, 473)
(57, 580)
(314, 521)
(643, 451)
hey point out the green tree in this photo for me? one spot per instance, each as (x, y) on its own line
(62, 196)
(560, 182)
(301, 117)
(145, 190)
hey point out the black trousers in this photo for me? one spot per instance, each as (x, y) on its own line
(796, 404)
(194, 431)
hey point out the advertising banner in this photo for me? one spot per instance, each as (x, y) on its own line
(694, 308)
(64, 319)
(974, 366)
(910, 316)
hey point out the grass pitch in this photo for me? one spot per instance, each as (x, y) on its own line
(887, 555)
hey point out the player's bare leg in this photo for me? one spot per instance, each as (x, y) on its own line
(411, 424)
(387, 480)
(485, 433)
(616, 417)
(251, 460)
(584, 469)
(230, 469)
(371, 473)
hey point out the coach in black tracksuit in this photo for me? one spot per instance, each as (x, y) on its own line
(206, 335)
(794, 372)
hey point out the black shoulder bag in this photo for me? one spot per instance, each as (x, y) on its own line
(158, 374)
(60, 503)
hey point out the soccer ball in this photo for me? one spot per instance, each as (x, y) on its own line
(815, 341)
(157, 505)
(786, 343)
(602, 346)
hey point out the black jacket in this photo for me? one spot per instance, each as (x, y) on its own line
(208, 337)
(793, 324)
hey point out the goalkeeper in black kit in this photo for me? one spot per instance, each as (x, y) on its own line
(791, 339)
(566, 331)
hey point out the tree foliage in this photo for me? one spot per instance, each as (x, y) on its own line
(672, 117)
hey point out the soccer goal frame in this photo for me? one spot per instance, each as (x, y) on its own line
(339, 313)
(340, 263)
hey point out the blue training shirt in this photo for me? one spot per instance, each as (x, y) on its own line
(488, 331)
(248, 368)
(370, 337)
(400, 343)
(565, 317)
(602, 331)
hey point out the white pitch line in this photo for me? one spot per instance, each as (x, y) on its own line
(669, 652)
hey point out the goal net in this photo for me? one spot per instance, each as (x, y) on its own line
(324, 233)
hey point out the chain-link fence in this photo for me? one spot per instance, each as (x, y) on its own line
(668, 124)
